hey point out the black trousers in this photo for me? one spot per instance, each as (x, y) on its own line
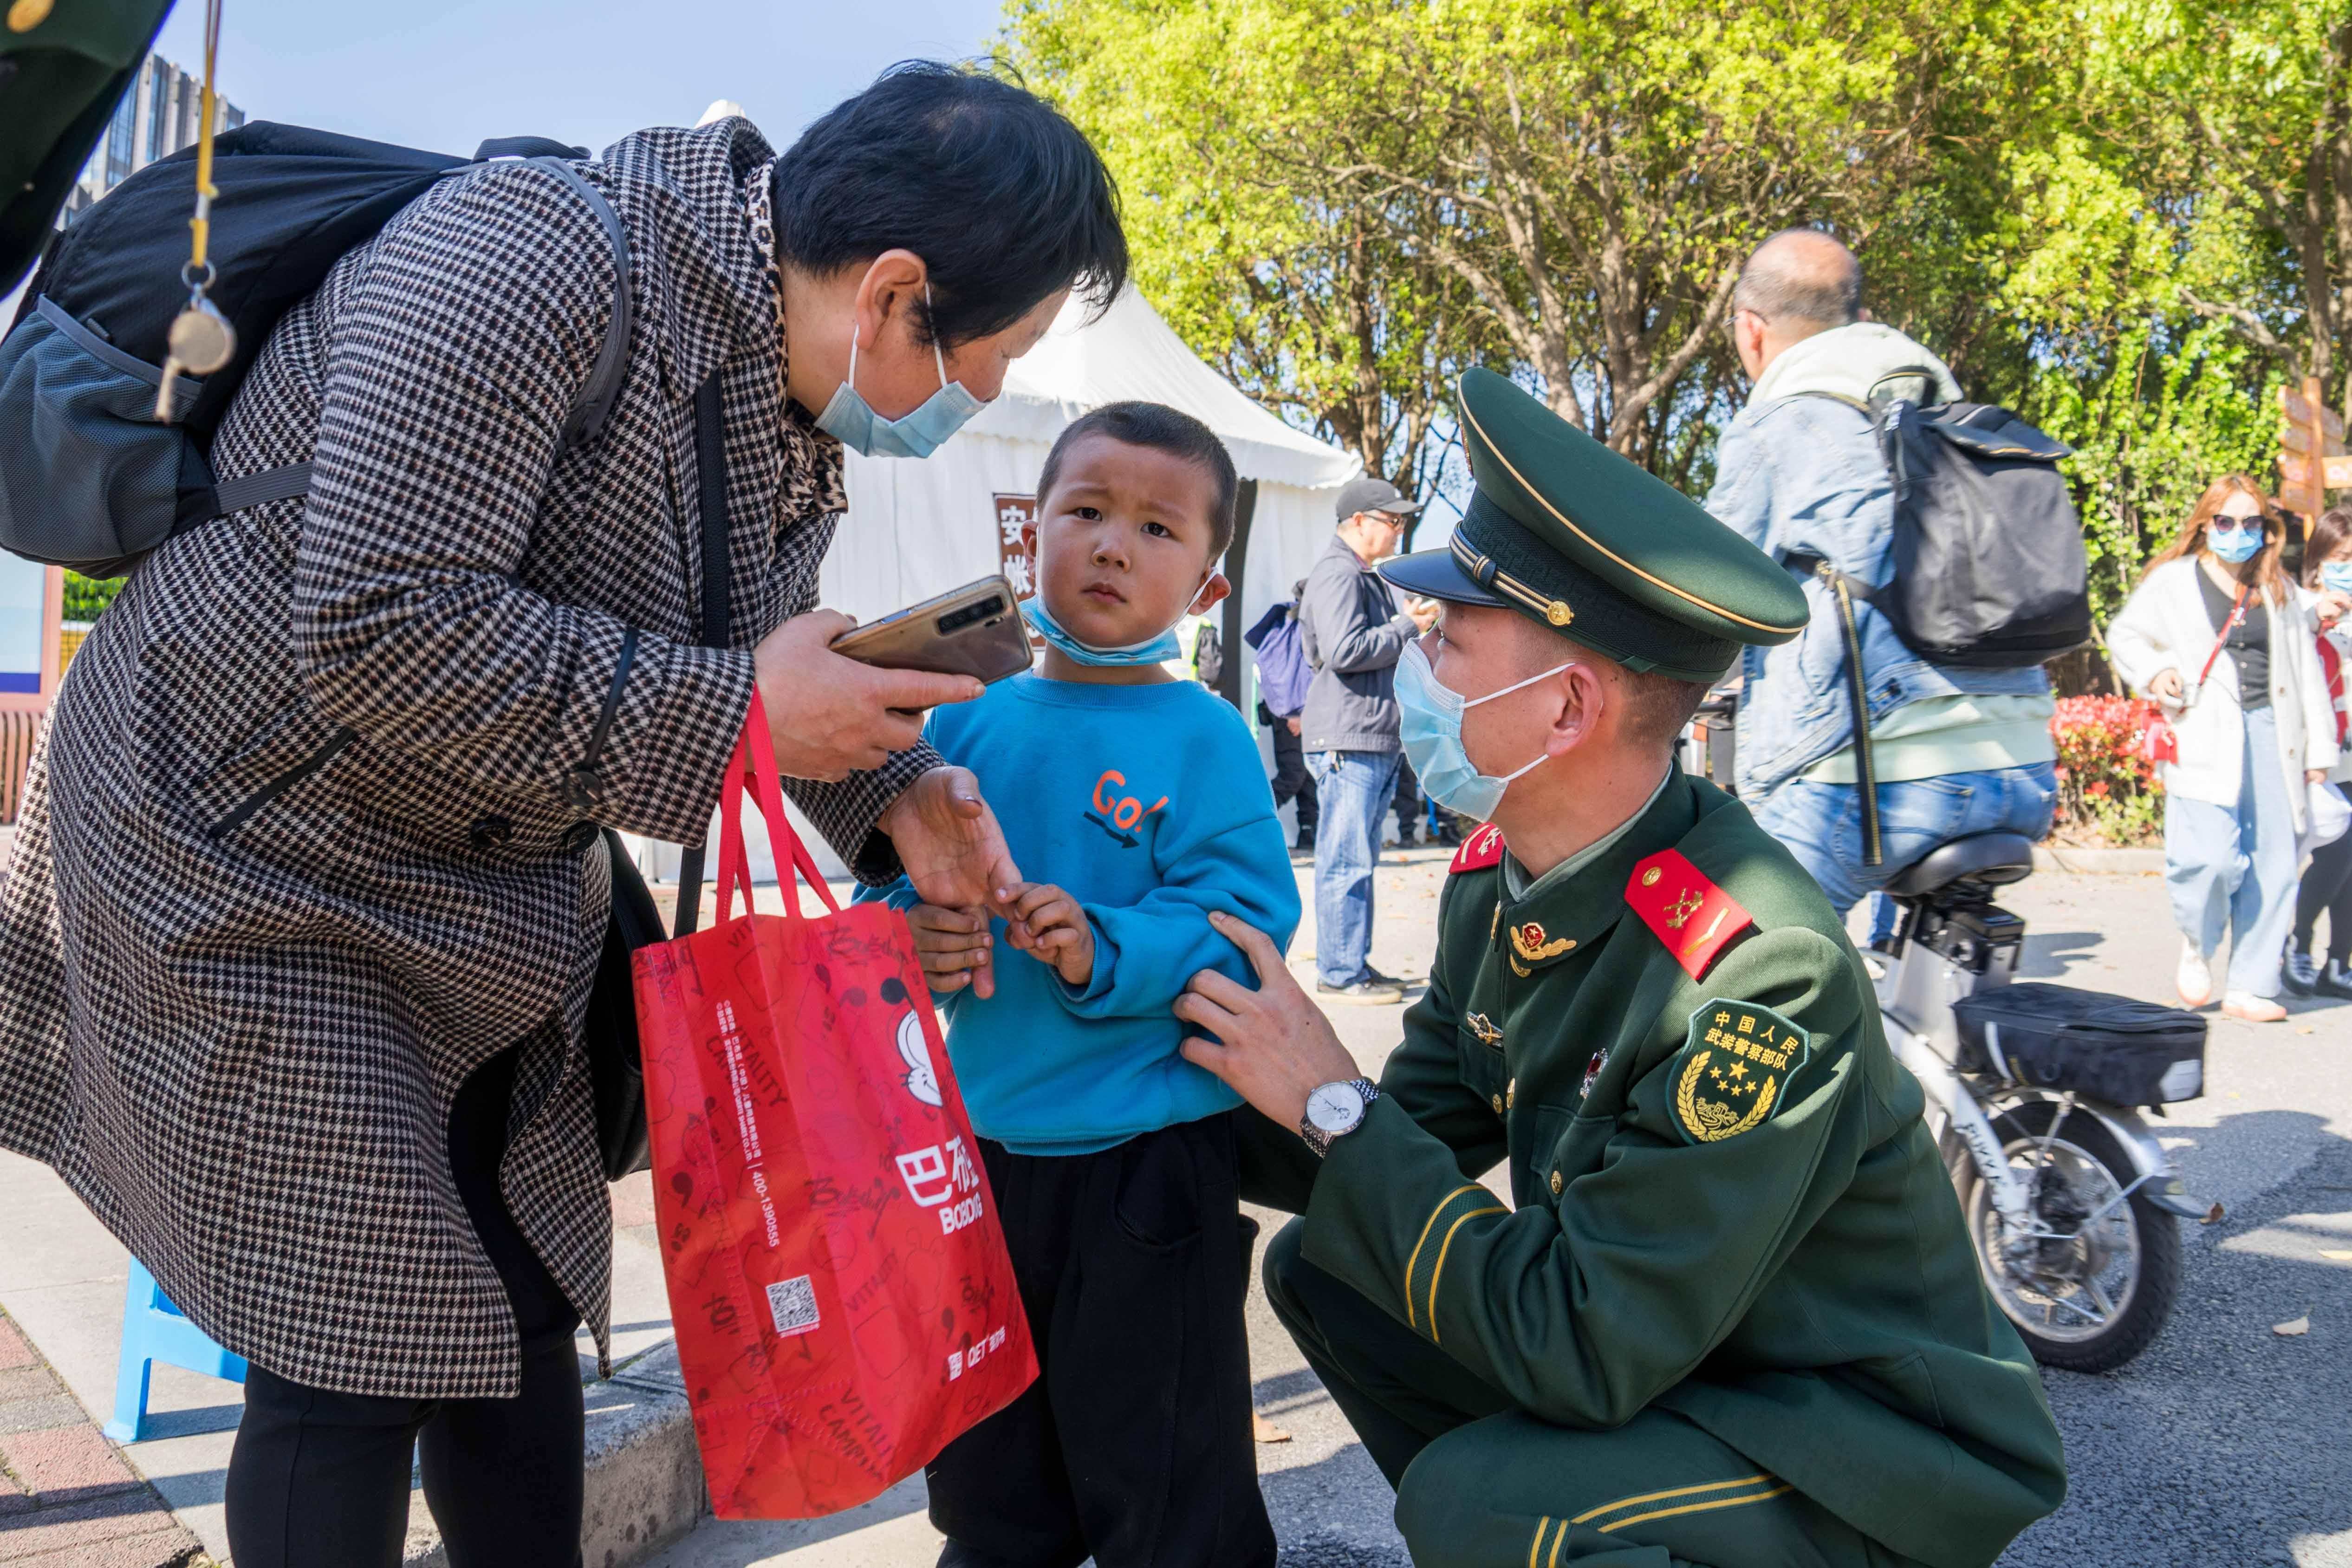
(1291, 779)
(320, 1480)
(1407, 800)
(2326, 885)
(1133, 1445)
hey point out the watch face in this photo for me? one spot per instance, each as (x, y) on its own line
(1334, 1107)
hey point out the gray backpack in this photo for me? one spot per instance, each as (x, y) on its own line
(89, 478)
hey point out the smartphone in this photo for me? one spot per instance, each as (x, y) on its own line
(976, 630)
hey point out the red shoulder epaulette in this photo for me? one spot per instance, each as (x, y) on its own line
(1696, 918)
(1480, 850)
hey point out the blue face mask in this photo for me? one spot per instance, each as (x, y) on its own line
(1431, 718)
(852, 420)
(2336, 575)
(1151, 651)
(2234, 545)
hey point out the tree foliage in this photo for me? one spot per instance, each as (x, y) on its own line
(2129, 219)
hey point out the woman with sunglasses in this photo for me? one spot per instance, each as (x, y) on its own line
(2221, 641)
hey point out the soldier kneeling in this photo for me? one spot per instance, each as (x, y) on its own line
(1730, 1316)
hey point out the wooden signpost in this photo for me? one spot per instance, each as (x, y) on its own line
(2312, 459)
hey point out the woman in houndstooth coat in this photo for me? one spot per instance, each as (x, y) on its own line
(297, 939)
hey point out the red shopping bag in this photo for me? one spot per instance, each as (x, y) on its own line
(844, 1301)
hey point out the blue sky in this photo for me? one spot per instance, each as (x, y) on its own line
(446, 75)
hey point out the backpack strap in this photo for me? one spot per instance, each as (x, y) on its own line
(589, 410)
(710, 478)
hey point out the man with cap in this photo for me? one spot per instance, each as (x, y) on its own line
(1728, 1313)
(1353, 633)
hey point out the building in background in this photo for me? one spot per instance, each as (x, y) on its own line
(160, 115)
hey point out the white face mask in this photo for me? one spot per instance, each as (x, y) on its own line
(1430, 717)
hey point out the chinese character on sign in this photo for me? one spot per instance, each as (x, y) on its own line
(1011, 513)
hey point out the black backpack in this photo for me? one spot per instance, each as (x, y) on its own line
(1987, 569)
(89, 478)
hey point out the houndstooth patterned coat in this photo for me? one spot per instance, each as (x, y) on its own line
(295, 855)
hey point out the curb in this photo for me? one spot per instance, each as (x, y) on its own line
(68, 1498)
(2098, 862)
(644, 1475)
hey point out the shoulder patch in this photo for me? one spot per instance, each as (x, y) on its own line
(1696, 918)
(1735, 1069)
(1480, 850)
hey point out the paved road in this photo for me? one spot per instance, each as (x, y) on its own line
(2223, 1445)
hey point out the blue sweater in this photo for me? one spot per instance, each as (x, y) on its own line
(1149, 805)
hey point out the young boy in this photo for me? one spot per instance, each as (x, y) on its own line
(1140, 803)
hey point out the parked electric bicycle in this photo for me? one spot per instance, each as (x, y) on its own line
(2033, 1092)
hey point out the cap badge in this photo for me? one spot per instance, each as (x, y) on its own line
(1558, 614)
(1530, 942)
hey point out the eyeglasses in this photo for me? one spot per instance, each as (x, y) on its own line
(2224, 522)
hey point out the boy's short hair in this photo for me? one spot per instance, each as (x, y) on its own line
(1162, 430)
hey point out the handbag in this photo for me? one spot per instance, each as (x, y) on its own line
(844, 1302)
(2158, 741)
(616, 1079)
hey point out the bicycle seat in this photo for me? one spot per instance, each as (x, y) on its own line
(1991, 859)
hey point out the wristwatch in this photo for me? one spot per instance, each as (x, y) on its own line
(1336, 1110)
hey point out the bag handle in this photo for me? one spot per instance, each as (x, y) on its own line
(2237, 614)
(753, 769)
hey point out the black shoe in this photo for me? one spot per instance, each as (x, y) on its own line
(1363, 994)
(2336, 981)
(1407, 838)
(2300, 974)
(1377, 978)
(1448, 836)
(1306, 845)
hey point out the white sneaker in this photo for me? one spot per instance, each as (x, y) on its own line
(2253, 1009)
(2194, 980)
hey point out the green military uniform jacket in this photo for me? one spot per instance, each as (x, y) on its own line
(1727, 1203)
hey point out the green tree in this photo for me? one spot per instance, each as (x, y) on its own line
(1302, 293)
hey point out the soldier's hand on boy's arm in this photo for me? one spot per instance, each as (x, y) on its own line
(1045, 920)
(953, 947)
(1274, 1046)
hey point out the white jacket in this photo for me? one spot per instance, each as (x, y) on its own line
(2164, 625)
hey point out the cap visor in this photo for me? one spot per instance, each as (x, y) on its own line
(1435, 575)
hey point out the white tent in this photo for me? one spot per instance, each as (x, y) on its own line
(915, 529)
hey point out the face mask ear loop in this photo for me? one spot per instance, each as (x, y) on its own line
(1530, 681)
(936, 357)
(853, 356)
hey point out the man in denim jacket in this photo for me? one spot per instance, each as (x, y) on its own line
(1801, 476)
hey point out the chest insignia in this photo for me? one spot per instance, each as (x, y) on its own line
(1592, 1071)
(1530, 942)
(1484, 1030)
(1480, 850)
(1733, 1071)
(1695, 919)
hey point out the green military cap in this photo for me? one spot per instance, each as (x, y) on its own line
(63, 64)
(1568, 533)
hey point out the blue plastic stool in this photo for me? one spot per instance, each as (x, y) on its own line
(153, 1329)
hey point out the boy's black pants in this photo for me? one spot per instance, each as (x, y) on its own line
(1133, 1445)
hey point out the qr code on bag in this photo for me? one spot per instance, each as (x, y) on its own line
(793, 1303)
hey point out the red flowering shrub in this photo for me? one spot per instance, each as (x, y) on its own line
(2107, 793)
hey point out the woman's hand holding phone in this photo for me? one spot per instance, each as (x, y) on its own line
(831, 716)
